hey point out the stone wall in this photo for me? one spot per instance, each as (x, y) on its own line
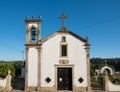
(113, 87)
(110, 87)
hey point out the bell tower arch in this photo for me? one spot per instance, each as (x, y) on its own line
(33, 34)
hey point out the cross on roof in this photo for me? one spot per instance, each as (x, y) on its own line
(63, 17)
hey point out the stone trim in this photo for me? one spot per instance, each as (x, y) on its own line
(38, 32)
(80, 89)
(26, 70)
(64, 61)
(39, 67)
(87, 48)
(33, 45)
(64, 32)
(32, 21)
(48, 37)
(63, 43)
(47, 89)
(88, 71)
(32, 89)
(53, 89)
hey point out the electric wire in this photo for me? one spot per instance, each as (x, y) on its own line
(99, 23)
(85, 27)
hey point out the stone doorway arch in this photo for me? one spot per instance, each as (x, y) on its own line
(106, 69)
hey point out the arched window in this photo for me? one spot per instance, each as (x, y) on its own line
(33, 34)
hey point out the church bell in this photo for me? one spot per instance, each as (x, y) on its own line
(33, 35)
(33, 38)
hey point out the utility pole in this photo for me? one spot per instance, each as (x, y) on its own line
(23, 55)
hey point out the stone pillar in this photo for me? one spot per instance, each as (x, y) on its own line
(38, 32)
(27, 34)
(8, 84)
(106, 83)
(26, 70)
(88, 64)
(39, 68)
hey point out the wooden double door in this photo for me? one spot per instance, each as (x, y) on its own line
(64, 79)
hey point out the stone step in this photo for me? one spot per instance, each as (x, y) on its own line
(16, 91)
(55, 91)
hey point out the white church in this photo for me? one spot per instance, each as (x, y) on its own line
(58, 63)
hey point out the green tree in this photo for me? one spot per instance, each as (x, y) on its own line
(4, 67)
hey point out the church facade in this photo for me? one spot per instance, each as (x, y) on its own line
(59, 62)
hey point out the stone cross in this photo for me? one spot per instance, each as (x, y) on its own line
(63, 17)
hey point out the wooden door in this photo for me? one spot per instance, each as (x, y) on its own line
(64, 78)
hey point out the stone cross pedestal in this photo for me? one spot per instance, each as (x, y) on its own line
(8, 83)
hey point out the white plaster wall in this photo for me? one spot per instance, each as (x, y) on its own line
(112, 87)
(77, 56)
(32, 67)
(51, 56)
(3, 82)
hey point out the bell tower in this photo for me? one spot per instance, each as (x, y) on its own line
(33, 52)
(33, 30)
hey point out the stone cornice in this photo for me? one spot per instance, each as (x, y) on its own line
(32, 45)
(33, 20)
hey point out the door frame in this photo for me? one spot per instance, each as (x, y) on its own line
(64, 66)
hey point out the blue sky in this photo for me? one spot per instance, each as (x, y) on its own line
(97, 19)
